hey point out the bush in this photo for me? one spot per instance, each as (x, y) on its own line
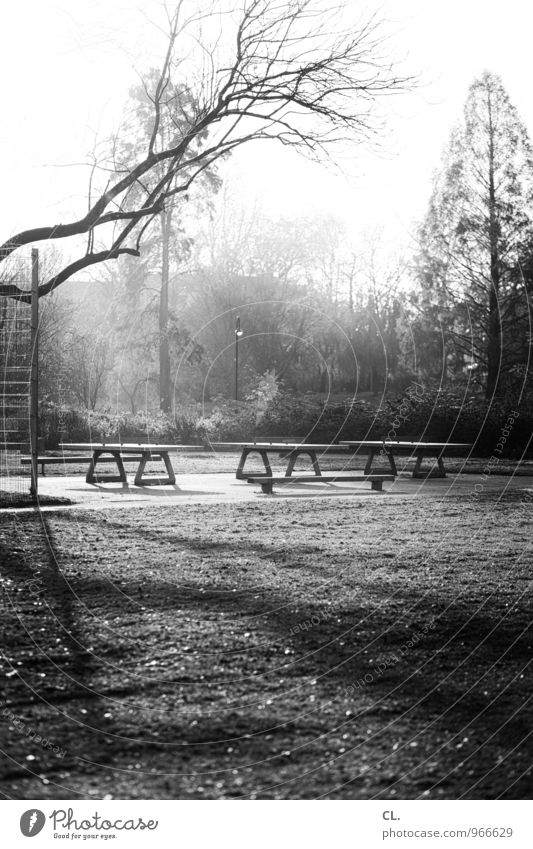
(319, 421)
(440, 415)
(229, 421)
(59, 424)
(420, 412)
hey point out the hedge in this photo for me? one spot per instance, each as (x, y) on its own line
(418, 413)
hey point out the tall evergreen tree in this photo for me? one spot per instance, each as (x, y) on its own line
(477, 238)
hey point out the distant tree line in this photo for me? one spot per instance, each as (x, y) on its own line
(317, 315)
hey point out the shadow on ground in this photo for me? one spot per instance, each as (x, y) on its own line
(207, 653)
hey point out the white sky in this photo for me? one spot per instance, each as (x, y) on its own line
(67, 65)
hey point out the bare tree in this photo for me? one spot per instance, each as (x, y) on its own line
(90, 361)
(294, 76)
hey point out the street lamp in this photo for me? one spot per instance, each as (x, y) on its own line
(238, 334)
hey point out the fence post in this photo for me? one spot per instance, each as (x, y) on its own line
(34, 376)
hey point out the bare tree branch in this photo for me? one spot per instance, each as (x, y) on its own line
(292, 77)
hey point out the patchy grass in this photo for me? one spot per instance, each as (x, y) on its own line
(296, 649)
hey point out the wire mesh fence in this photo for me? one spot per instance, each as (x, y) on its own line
(15, 383)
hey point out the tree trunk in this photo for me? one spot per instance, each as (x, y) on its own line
(493, 345)
(494, 324)
(165, 399)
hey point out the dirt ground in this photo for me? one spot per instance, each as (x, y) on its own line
(357, 647)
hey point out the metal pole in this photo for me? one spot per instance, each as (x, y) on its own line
(238, 334)
(34, 375)
(236, 367)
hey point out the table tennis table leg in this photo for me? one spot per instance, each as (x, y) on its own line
(293, 456)
(140, 480)
(392, 462)
(92, 477)
(368, 466)
(417, 473)
(245, 452)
